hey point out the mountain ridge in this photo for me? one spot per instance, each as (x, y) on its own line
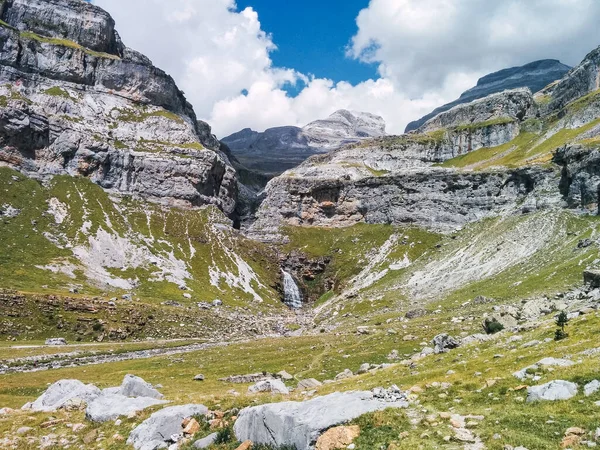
(281, 148)
(535, 76)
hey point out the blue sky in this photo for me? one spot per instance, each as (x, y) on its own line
(312, 36)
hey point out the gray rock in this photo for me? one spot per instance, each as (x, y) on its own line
(271, 385)
(111, 406)
(300, 423)
(59, 393)
(199, 377)
(56, 341)
(206, 441)
(347, 373)
(414, 313)
(444, 342)
(136, 387)
(284, 376)
(535, 76)
(156, 431)
(545, 362)
(364, 368)
(552, 391)
(278, 149)
(591, 388)
(309, 383)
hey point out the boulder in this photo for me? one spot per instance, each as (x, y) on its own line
(206, 442)
(545, 362)
(284, 375)
(444, 342)
(156, 431)
(133, 386)
(347, 373)
(59, 393)
(338, 437)
(301, 423)
(591, 388)
(554, 390)
(309, 383)
(56, 341)
(592, 278)
(414, 313)
(111, 406)
(270, 385)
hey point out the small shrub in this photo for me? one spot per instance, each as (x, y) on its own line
(224, 436)
(561, 321)
(492, 326)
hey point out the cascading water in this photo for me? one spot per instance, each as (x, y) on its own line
(292, 296)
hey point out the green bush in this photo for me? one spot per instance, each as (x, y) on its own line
(492, 326)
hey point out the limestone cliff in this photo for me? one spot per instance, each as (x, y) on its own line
(74, 99)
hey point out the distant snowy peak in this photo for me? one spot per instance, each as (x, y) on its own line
(278, 149)
(347, 124)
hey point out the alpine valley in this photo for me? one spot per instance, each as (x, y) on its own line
(433, 290)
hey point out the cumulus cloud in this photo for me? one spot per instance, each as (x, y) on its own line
(427, 52)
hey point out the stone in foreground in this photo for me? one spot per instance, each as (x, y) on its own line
(136, 387)
(206, 441)
(301, 423)
(59, 393)
(111, 406)
(555, 390)
(156, 431)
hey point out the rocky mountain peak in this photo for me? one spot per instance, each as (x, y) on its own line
(278, 149)
(73, 20)
(348, 124)
(535, 76)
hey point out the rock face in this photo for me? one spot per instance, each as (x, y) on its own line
(535, 76)
(75, 100)
(299, 424)
(433, 198)
(156, 431)
(282, 148)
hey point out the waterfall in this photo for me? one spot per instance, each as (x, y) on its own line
(292, 295)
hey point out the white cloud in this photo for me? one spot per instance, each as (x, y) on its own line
(427, 51)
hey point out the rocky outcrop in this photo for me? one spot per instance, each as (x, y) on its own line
(580, 181)
(433, 198)
(278, 149)
(75, 100)
(487, 122)
(580, 81)
(535, 76)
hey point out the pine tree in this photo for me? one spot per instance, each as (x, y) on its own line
(561, 321)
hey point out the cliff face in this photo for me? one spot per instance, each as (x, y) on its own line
(74, 99)
(278, 149)
(535, 76)
(495, 155)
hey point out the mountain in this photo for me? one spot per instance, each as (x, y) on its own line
(278, 149)
(535, 76)
(75, 100)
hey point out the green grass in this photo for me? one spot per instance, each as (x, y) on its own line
(188, 235)
(58, 92)
(28, 35)
(526, 148)
(142, 114)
